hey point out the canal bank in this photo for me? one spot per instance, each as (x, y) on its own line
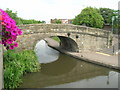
(59, 70)
(110, 61)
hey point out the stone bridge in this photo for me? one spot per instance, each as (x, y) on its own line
(73, 37)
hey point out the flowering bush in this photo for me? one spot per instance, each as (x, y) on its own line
(8, 31)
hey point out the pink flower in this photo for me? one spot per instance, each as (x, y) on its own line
(13, 26)
(9, 41)
(11, 47)
(15, 44)
(6, 19)
(13, 22)
(8, 29)
(8, 25)
(20, 32)
(14, 38)
(13, 32)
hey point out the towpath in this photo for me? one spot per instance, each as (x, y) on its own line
(99, 58)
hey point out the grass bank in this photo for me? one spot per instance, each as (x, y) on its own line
(56, 38)
(16, 65)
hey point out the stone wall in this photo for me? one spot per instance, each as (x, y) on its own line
(87, 39)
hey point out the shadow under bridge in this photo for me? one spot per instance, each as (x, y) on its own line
(67, 44)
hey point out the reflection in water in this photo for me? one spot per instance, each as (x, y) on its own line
(96, 82)
(45, 53)
(68, 72)
(59, 67)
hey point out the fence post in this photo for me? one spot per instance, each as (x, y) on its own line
(1, 67)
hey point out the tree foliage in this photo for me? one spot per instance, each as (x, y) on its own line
(107, 14)
(19, 20)
(89, 17)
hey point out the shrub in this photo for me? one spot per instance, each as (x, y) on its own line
(17, 64)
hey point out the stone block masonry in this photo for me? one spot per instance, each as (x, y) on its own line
(87, 39)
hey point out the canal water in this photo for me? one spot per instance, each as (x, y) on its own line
(61, 71)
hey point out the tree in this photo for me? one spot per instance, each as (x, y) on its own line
(107, 14)
(89, 17)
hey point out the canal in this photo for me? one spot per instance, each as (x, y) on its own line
(61, 71)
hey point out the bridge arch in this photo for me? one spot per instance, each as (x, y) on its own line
(68, 44)
(63, 42)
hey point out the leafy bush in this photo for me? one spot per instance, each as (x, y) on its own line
(17, 64)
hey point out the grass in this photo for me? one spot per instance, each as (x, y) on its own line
(16, 65)
(56, 38)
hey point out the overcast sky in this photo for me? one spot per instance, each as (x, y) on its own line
(50, 9)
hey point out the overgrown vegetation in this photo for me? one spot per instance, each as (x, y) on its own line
(16, 65)
(56, 38)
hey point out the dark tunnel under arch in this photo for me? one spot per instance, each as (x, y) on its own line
(68, 44)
